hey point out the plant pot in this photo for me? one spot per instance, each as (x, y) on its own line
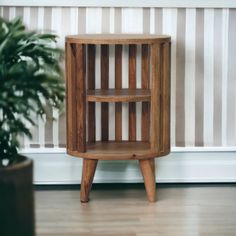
(16, 199)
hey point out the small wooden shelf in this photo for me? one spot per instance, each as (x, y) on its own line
(144, 78)
(112, 150)
(119, 95)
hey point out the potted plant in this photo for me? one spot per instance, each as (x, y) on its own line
(30, 78)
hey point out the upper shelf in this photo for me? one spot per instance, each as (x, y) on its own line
(119, 95)
(117, 38)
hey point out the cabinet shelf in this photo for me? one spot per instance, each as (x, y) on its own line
(112, 150)
(119, 95)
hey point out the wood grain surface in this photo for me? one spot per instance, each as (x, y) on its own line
(118, 85)
(121, 150)
(118, 95)
(117, 38)
(122, 210)
(91, 85)
(132, 85)
(145, 72)
(155, 97)
(104, 85)
(71, 124)
(80, 76)
(89, 168)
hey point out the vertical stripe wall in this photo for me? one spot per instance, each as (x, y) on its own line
(203, 67)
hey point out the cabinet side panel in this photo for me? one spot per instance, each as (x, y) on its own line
(71, 124)
(166, 97)
(81, 96)
(155, 97)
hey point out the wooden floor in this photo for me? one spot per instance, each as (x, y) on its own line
(121, 210)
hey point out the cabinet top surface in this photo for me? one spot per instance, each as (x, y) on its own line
(117, 38)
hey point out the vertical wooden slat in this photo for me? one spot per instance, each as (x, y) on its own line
(155, 97)
(145, 125)
(104, 85)
(81, 96)
(118, 85)
(91, 85)
(166, 97)
(161, 140)
(132, 85)
(71, 125)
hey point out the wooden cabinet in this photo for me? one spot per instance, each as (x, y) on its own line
(154, 95)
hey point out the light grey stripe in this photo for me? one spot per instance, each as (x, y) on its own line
(105, 20)
(6, 13)
(180, 77)
(65, 19)
(231, 95)
(199, 77)
(146, 20)
(82, 20)
(158, 21)
(217, 126)
(19, 11)
(118, 20)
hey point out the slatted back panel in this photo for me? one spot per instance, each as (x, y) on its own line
(133, 81)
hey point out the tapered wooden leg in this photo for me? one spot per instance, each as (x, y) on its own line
(148, 171)
(89, 167)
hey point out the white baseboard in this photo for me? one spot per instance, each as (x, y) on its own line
(178, 167)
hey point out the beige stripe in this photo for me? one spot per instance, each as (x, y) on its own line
(231, 95)
(118, 19)
(34, 143)
(65, 22)
(47, 18)
(49, 123)
(158, 21)
(217, 130)
(199, 77)
(180, 76)
(82, 20)
(146, 20)
(6, 13)
(19, 11)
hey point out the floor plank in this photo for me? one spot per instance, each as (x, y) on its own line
(122, 210)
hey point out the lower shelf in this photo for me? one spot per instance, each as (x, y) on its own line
(112, 150)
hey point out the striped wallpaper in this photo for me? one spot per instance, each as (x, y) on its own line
(203, 66)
